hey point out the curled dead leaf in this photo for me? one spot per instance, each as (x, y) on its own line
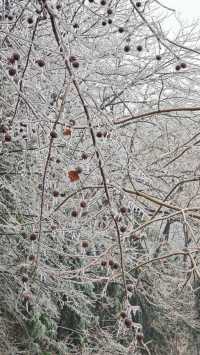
(67, 131)
(73, 175)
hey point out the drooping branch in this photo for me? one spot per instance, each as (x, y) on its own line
(122, 122)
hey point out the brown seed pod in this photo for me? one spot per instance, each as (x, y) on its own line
(76, 25)
(104, 23)
(16, 56)
(111, 262)
(115, 266)
(109, 21)
(127, 48)
(128, 322)
(138, 4)
(123, 229)
(33, 236)
(84, 156)
(139, 48)
(53, 134)
(74, 213)
(30, 20)
(55, 193)
(103, 263)
(123, 210)
(25, 278)
(158, 57)
(32, 257)
(183, 65)
(178, 67)
(121, 29)
(40, 62)
(103, 2)
(123, 315)
(7, 137)
(85, 244)
(12, 71)
(83, 204)
(109, 11)
(3, 129)
(75, 64)
(99, 134)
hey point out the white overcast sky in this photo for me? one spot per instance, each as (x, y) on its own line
(187, 13)
(188, 9)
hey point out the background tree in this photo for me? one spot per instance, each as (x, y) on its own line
(99, 178)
